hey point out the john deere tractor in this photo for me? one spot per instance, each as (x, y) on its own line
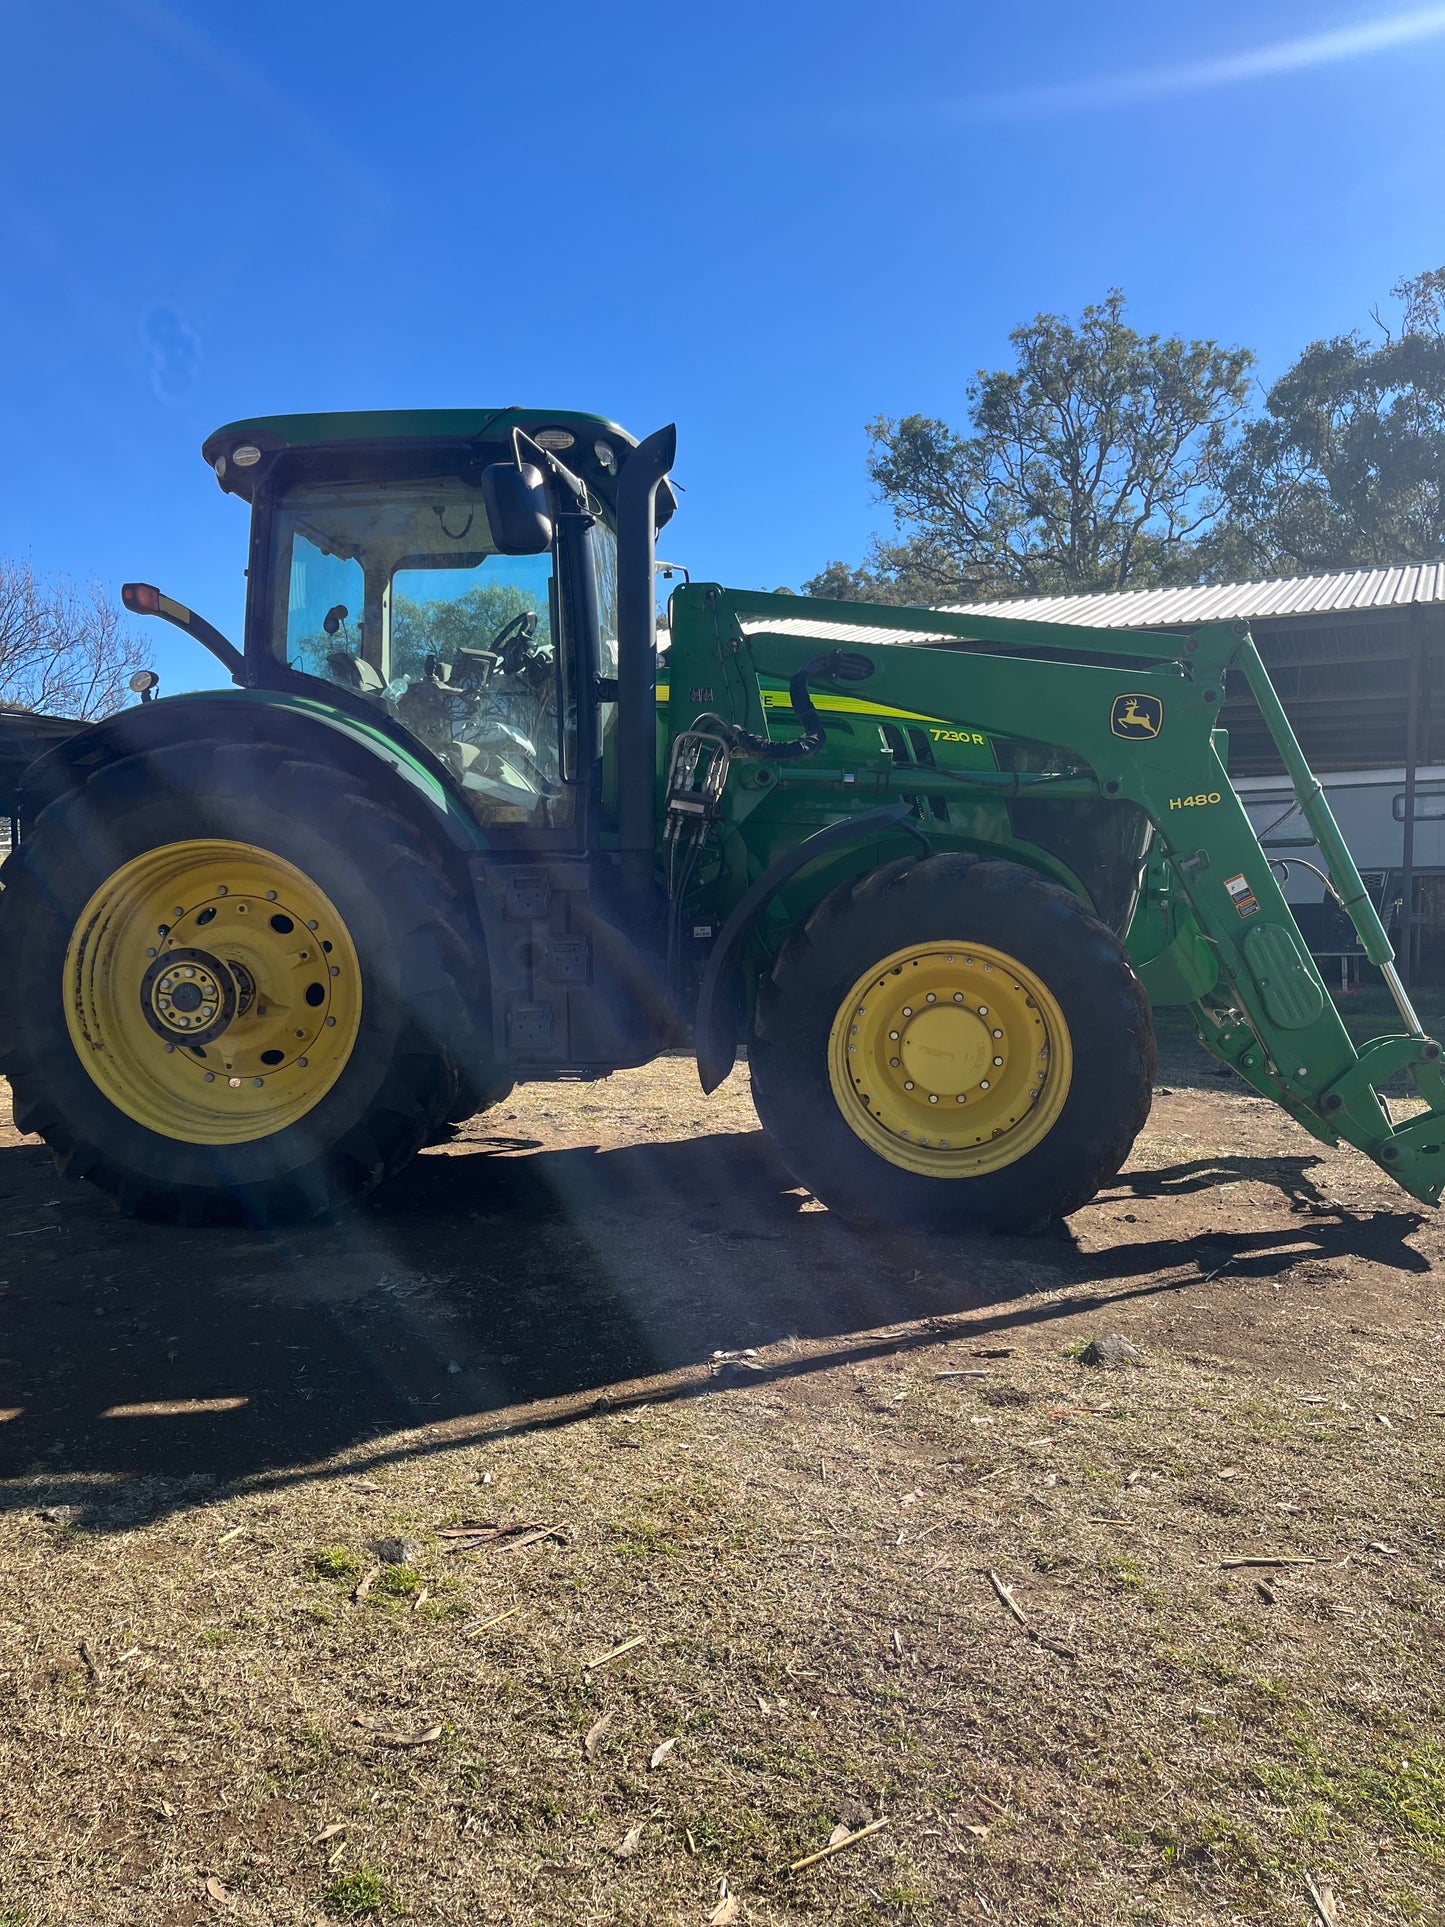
(461, 822)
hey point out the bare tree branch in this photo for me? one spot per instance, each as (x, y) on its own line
(64, 649)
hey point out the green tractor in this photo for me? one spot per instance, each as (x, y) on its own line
(461, 823)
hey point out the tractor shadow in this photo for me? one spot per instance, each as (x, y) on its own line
(498, 1286)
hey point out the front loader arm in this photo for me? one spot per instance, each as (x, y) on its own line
(1135, 716)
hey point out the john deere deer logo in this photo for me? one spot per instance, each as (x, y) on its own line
(1137, 717)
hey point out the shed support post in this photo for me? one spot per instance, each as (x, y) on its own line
(1407, 841)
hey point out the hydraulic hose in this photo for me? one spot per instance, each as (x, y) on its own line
(836, 665)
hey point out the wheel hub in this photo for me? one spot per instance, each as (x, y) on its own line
(950, 1059)
(945, 1049)
(188, 997)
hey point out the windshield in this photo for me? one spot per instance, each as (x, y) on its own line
(399, 595)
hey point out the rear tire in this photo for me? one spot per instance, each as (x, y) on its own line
(982, 979)
(132, 1118)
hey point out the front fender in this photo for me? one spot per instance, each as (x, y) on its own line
(399, 770)
(719, 1014)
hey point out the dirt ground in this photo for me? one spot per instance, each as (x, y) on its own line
(815, 1543)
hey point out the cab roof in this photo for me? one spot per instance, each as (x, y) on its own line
(408, 427)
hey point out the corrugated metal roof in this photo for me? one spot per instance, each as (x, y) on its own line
(1299, 595)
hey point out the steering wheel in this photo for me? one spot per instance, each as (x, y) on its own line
(511, 642)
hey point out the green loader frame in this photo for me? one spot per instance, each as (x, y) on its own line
(1139, 713)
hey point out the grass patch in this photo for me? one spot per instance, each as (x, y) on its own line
(397, 1581)
(335, 1562)
(358, 1894)
(1326, 1795)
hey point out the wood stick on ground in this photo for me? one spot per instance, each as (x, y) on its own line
(1271, 1559)
(475, 1626)
(836, 1846)
(606, 1659)
(1005, 1594)
(1323, 1901)
(531, 1538)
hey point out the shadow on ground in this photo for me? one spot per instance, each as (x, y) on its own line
(500, 1285)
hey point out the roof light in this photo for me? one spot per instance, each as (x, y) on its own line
(605, 454)
(246, 456)
(141, 597)
(554, 438)
(220, 467)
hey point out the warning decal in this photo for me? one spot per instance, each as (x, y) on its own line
(1241, 896)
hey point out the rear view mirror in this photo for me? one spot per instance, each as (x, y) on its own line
(516, 503)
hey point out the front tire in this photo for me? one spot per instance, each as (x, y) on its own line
(952, 1043)
(235, 988)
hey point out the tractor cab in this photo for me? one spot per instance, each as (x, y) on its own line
(454, 573)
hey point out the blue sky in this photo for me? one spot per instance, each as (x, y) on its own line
(767, 222)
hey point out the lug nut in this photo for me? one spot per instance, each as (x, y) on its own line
(908, 1010)
(983, 1083)
(931, 998)
(894, 1035)
(998, 1063)
(932, 1097)
(908, 1083)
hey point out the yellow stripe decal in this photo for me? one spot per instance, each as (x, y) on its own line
(848, 705)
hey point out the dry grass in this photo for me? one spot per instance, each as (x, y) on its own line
(806, 1562)
(204, 1724)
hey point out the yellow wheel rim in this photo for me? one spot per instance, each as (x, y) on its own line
(950, 1059)
(212, 992)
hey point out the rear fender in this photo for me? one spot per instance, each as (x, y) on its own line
(23, 739)
(404, 775)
